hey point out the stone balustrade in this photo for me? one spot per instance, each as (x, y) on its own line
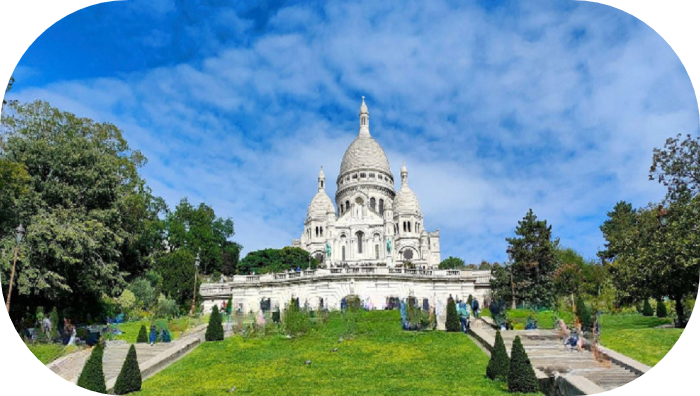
(213, 289)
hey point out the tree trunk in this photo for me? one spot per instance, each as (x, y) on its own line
(680, 313)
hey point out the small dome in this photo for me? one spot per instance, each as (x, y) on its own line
(320, 206)
(364, 153)
(406, 202)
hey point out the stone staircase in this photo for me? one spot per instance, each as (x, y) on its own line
(549, 355)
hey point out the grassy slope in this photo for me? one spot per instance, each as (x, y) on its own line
(47, 353)
(379, 360)
(175, 326)
(635, 336)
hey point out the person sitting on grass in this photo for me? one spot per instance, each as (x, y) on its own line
(153, 335)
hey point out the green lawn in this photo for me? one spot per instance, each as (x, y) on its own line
(634, 335)
(47, 353)
(380, 359)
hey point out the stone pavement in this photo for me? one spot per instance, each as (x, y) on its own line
(151, 359)
(550, 357)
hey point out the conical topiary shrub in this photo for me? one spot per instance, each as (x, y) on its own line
(647, 310)
(143, 335)
(129, 379)
(452, 321)
(215, 331)
(661, 311)
(499, 364)
(92, 377)
(521, 375)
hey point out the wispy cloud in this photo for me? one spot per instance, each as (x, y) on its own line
(541, 105)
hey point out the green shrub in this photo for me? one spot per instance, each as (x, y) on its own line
(276, 316)
(145, 292)
(521, 375)
(129, 379)
(127, 301)
(452, 321)
(583, 313)
(166, 308)
(661, 311)
(54, 324)
(647, 310)
(215, 331)
(296, 321)
(143, 335)
(499, 364)
(354, 302)
(229, 305)
(92, 377)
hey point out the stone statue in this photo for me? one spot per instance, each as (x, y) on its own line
(328, 250)
(388, 245)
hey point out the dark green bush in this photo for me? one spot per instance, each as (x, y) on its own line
(661, 311)
(647, 310)
(452, 320)
(583, 313)
(354, 302)
(92, 377)
(129, 379)
(143, 335)
(276, 316)
(499, 364)
(229, 305)
(295, 320)
(215, 331)
(54, 324)
(521, 376)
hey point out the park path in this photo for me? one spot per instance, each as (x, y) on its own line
(151, 359)
(552, 359)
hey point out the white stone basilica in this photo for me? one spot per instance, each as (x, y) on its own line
(373, 225)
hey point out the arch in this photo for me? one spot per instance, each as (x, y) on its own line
(359, 235)
(381, 206)
(373, 203)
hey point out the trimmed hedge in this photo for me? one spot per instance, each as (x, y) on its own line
(452, 320)
(499, 364)
(143, 335)
(92, 377)
(129, 379)
(215, 331)
(521, 376)
(661, 311)
(647, 310)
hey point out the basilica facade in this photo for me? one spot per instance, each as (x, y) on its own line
(370, 223)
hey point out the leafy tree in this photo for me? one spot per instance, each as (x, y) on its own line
(8, 89)
(647, 310)
(452, 320)
(92, 377)
(215, 331)
(127, 301)
(471, 267)
(569, 278)
(484, 266)
(143, 335)
(499, 364)
(620, 221)
(145, 292)
(177, 270)
(14, 184)
(677, 166)
(521, 375)
(452, 263)
(54, 324)
(79, 210)
(129, 379)
(166, 308)
(275, 260)
(534, 261)
(194, 228)
(583, 313)
(500, 284)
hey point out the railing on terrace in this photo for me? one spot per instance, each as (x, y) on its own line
(280, 276)
(294, 275)
(453, 272)
(252, 278)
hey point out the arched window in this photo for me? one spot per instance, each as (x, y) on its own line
(381, 206)
(342, 209)
(417, 227)
(376, 252)
(347, 205)
(317, 232)
(321, 231)
(343, 252)
(409, 228)
(359, 235)
(321, 183)
(404, 226)
(372, 203)
(408, 254)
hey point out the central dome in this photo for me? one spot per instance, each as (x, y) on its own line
(364, 153)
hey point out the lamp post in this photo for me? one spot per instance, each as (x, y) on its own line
(512, 285)
(196, 270)
(19, 233)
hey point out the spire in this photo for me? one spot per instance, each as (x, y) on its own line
(321, 180)
(404, 174)
(364, 119)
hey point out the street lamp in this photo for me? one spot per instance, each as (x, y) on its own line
(512, 285)
(196, 270)
(19, 233)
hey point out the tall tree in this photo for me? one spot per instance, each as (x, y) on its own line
(622, 219)
(677, 166)
(534, 261)
(276, 260)
(78, 210)
(177, 270)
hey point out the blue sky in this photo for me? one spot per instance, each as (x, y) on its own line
(496, 107)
